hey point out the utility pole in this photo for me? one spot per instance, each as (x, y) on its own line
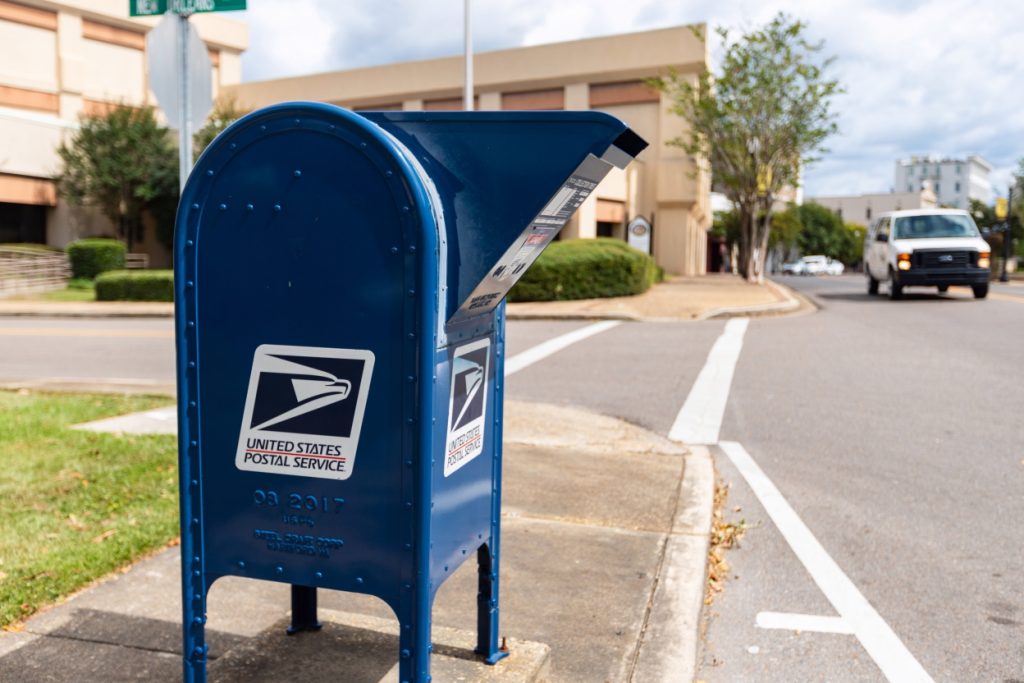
(467, 88)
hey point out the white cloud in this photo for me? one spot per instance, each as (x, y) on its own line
(939, 76)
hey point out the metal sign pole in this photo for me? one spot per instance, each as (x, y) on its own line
(467, 88)
(184, 103)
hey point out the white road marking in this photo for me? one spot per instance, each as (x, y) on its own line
(541, 351)
(880, 641)
(700, 419)
(161, 421)
(788, 621)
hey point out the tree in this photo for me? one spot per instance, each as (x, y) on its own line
(785, 231)
(822, 231)
(852, 251)
(983, 214)
(763, 117)
(123, 162)
(225, 112)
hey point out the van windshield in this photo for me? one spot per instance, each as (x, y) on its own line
(935, 225)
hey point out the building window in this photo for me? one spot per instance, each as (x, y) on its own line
(22, 223)
(958, 168)
(839, 212)
(910, 187)
(937, 188)
(867, 214)
(956, 187)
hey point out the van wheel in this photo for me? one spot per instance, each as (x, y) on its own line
(943, 289)
(872, 285)
(980, 291)
(895, 288)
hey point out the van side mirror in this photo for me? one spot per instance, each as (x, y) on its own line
(881, 237)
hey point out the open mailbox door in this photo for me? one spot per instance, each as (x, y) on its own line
(340, 336)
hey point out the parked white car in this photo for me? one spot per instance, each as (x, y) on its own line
(814, 265)
(926, 247)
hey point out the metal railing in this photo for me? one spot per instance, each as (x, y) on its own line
(26, 271)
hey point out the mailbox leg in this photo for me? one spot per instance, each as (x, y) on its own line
(414, 642)
(303, 610)
(487, 606)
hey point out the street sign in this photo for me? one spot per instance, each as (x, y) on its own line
(341, 422)
(638, 234)
(163, 55)
(148, 8)
(1002, 208)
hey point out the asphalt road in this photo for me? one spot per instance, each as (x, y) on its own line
(82, 349)
(892, 429)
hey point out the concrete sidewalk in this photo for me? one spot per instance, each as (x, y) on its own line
(605, 531)
(680, 298)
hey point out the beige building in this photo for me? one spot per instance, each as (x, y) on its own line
(863, 208)
(664, 185)
(59, 60)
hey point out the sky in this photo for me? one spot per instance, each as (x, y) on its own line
(944, 77)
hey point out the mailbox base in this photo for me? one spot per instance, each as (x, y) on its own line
(354, 647)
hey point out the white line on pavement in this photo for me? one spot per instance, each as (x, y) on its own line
(700, 419)
(161, 421)
(543, 350)
(880, 641)
(788, 621)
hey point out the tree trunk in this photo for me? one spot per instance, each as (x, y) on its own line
(743, 261)
(754, 259)
(760, 227)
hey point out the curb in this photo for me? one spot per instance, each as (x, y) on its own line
(84, 315)
(789, 303)
(92, 385)
(625, 317)
(670, 641)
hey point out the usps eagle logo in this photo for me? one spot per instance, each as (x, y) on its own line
(304, 410)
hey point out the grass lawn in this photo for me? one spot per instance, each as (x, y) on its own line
(76, 505)
(77, 290)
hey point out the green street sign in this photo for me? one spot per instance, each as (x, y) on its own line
(148, 8)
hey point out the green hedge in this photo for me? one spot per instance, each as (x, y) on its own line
(90, 257)
(135, 285)
(587, 269)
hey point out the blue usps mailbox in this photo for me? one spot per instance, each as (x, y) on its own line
(339, 281)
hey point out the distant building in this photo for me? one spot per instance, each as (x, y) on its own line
(954, 181)
(665, 185)
(863, 208)
(58, 61)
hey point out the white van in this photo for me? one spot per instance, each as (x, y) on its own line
(926, 247)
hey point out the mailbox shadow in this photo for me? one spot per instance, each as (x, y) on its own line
(339, 652)
(94, 645)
